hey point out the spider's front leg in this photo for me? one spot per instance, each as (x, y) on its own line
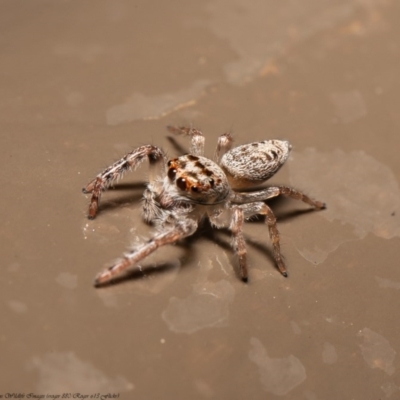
(115, 171)
(181, 229)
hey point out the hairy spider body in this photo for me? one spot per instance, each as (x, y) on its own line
(198, 179)
(183, 190)
(252, 164)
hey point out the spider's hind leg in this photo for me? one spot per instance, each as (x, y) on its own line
(260, 208)
(297, 195)
(239, 244)
(115, 171)
(274, 191)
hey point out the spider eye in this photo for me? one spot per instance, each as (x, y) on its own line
(195, 189)
(171, 173)
(181, 183)
(211, 180)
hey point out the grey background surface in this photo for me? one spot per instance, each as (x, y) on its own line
(82, 83)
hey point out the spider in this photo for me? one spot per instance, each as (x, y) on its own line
(182, 191)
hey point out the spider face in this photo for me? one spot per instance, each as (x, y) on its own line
(182, 191)
(198, 179)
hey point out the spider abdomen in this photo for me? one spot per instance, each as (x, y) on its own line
(252, 164)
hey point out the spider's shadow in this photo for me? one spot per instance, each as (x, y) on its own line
(181, 150)
(280, 209)
(135, 195)
(206, 231)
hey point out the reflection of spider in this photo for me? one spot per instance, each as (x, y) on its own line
(183, 190)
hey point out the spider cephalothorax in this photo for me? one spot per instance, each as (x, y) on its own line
(183, 190)
(198, 179)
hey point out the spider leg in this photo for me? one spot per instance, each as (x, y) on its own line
(197, 141)
(239, 244)
(260, 208)
(296, 194)
(259, 195)
(224, 144)
(274, 191)
(115, 171)
(182, 229)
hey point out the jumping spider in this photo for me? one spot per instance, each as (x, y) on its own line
(183, 190)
